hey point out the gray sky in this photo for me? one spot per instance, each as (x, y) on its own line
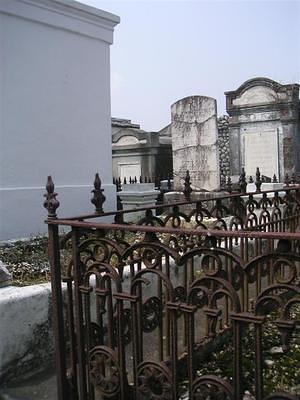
(166, 50)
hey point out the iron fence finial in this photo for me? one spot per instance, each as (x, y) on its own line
(229, 185)
(51, 203)
(98, 197)
(258, 181)
(243, 181)
(187, 186)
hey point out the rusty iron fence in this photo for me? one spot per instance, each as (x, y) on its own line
(146, 305)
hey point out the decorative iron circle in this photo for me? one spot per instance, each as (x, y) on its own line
(211, 387)
(179, 294)
(199, 217)
(104, 371)
(100, 252)
(211, 264)
(279, 268)
(176, 222)
(154, 381)
(151, 258)
(198, 297)
(151, 314)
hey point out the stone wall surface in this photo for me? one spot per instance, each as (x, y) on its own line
(224, 147)
(195, 142)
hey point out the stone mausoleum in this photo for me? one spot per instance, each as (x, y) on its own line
(136, 152)
(262, 129)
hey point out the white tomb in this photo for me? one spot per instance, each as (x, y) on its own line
(55, 109)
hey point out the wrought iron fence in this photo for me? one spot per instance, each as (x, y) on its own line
(148, 305)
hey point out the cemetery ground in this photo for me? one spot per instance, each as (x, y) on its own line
(27, 261)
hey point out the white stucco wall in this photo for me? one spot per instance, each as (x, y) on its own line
(54, 109)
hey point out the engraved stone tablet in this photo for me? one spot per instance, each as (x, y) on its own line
(261, 150)
(194, 142)
(130, 170)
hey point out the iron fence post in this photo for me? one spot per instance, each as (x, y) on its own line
(57, 312)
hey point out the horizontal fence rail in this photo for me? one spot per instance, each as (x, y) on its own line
(179, 306)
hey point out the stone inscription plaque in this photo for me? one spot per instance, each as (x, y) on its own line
(261, 150)
(130, 170)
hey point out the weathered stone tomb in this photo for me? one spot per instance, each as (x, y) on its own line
(264, 127)
(195, 142)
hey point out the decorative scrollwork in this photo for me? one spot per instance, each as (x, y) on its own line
(150, 219)
(151, 314)
(154, 381)
(211, 387)
(211, 264)
(200, 213)
(175, 217)
(151, 257)
(219, 210)
(285, 271)
(100, 250)
(198, 296)
(127, 332)
(179, 294)
(251, 204)
(104, 371)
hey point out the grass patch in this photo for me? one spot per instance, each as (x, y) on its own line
(27, 261)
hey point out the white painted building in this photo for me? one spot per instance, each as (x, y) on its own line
(54, 109)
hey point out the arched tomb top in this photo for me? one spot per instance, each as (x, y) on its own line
(258, 91)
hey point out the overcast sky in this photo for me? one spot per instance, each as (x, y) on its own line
(166, 50)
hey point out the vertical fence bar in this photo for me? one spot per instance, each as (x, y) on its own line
(237, 382)
(79, 317)
(71, 329)
(258, 362)
(58, 319)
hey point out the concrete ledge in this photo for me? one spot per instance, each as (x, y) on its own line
(26, 340)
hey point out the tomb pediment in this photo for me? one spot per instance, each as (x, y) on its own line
(260, 91)
(256, 95)
(127, 141)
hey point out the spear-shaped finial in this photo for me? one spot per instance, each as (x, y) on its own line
(243, 181)
(98, 197)
(187, 186)
(258, 181)
(229, 185)
(51, 203)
